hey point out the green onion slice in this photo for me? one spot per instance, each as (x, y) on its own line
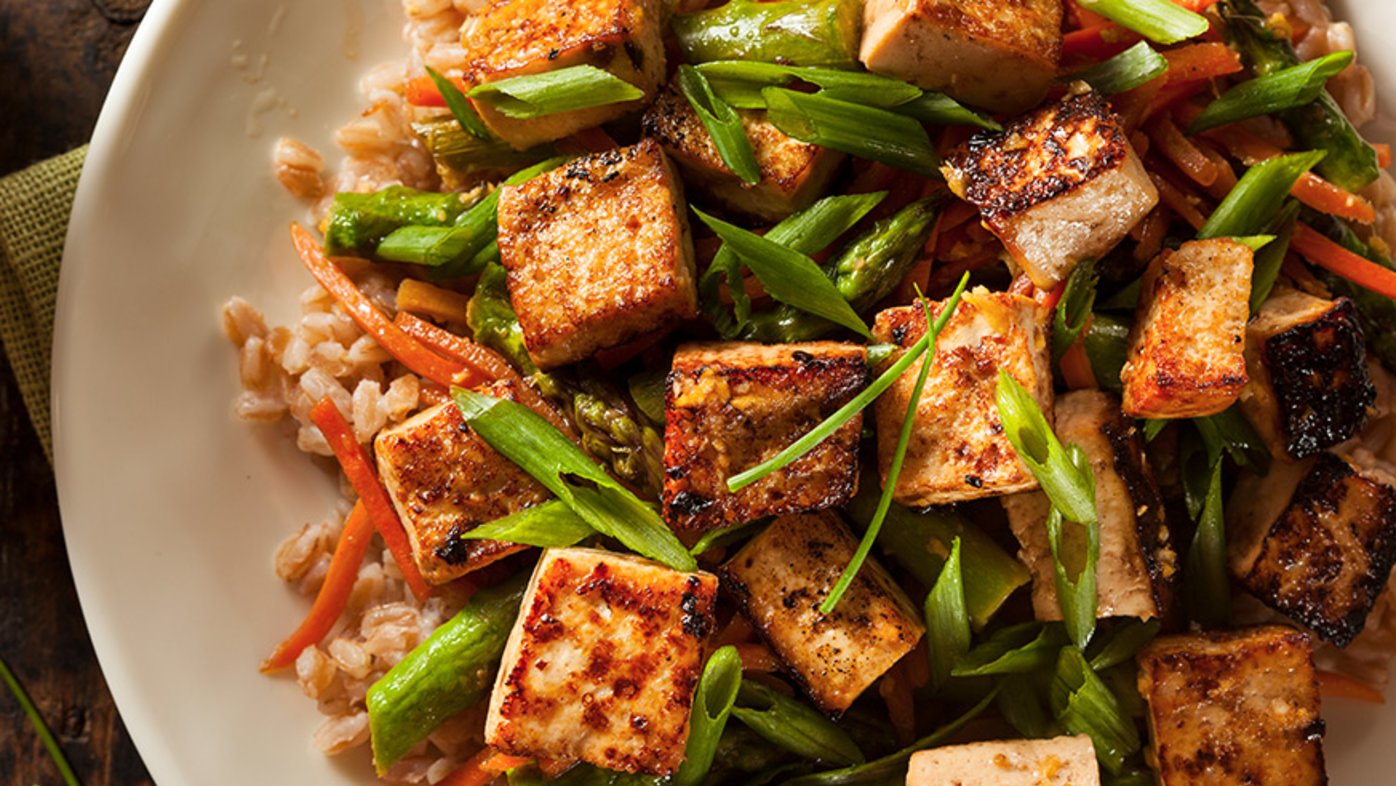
(787, 275)
(794, 726)
(461, 108)
(1207, 584)
(947, 620)
(480, 226)
(1070, 491)
(51, 746)
(723, 123)
(551, 92)
(1276, 91)
(542, 451)
(1256, 199)
(1078, 300)
(1017, 649)
(1161, 21)
(1077, 596)
(1127, 70)
(1125, 640)
(712, 704)
(1084, 704)
(547, 525)
(1269, 259)
(726, 535)
(864, 131)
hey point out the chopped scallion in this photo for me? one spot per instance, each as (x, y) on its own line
(461, 108)
(551, 92)
(794, 726)
(723, 123)
(1072, 311)
(1084, 704)
(1069, 490)
(1127, 70)
(864, 131)
(1269, 259)
(1161, 21)
(1257, 197)
(547, 525)
(947, 620)
(1018, 649)
(1207, 584)
(712, 704)
(1274, 92)
(1077, 596)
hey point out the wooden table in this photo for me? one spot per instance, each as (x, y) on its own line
(57, 59)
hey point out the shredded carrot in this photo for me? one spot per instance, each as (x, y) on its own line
(421, 91)
(1076, 364)
(1173, 95)
(1181, 151)
(334, 592)
(1310, 189)
(1196, 6)
(482, 768)
(486, 364)
(1049, 298)
(407, 350)
(1180, 203)
(1339, 261)
(757, 657)
(425, 299)
(895, 690)
(354, 460)
(1331, 684)
(1152, 231)
(1201, 61)
(1226, 176)
(1383, 154)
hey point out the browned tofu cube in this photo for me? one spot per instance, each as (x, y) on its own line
(782, 575)
(1234, 708)
(1057, 186)
(733, 405)
(602, 663)
(444, 481)
(998, 55)
(1186, 354)
(1318, 541)
(793, 173)
(598, 253)
(1138, 569)
(958, 450)
(1307, 360)
(511, 38)
(1060, 761)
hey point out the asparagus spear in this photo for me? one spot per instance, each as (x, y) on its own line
(1351, 162)
(462, 158)
(357, 222)
(611, 428)
(794, 32)
(865, 272)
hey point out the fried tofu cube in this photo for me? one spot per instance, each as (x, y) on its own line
(793, 173)
(598, 253)
(1186, 355)
(996, 55)
(1319, 543)
(1060, 761)
(958, 450)
(1231, 708)
(782, 575)
(1307, 360)
(1138, 568)
(1057, 186)
(733, 405)
(444, 480)
(602, 663)
(512, 38)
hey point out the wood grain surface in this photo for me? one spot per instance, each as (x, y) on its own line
(57, 59)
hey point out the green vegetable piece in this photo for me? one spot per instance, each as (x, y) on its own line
(942, 110)
(1127, 70)
(864, 131)
(1070, 490)
(1072, 311)
(1084, 704)
(542, 451)
(787, 275)
(859, 87)
(1269, 259)
(1376, 312)
(551, 92)
(1017, 649)
(478, 227)
(1077, 596)
(1020, 704)
(550, 524)
(1207, 583)
(712, 704)
(1256, 199)
(1107, 345)
(726, 535)
(449, 672)
(798, 32)
(461, 108)
(492, 320)
(947, 619)
(647, 389)
(1128, 637)
(1161, 21)
(357, 222)
(794, 726)
(50, 743)
(462, 158)
(1275, 91)
(723, 124)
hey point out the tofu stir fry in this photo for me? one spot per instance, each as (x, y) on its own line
(829, 392)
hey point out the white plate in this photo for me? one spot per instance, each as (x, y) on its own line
(171, 507)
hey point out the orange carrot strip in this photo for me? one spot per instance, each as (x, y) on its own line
(482, 768)
(1181, 151)
(1383, 154)
(487, 364)
(1152, 232)
(334, 593)
(1331, 684)
(353, 459)
(1226, 176)
(1177, 201)
(1326, 197)
(421, 91)
(1076, 365)
(757, 657)
(407, 350)
(1201, 61)
(1339, 261)
(1049, 298)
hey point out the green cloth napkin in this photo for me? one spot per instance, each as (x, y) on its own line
(34, 208)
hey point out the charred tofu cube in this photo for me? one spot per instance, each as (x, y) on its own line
(1060, 761)
(731, 406)
(602, 663)
(444, 480)
(1231, 708)
(512, 38)
(958, 450)
(1056, 186)
(997, 55)
(1307, 360)
(1186, 355)
(1319, 543)
(1138, 568)
(793, 173)
(598, 253)
(782, 575)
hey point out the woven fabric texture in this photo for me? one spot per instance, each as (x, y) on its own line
(34, 208)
